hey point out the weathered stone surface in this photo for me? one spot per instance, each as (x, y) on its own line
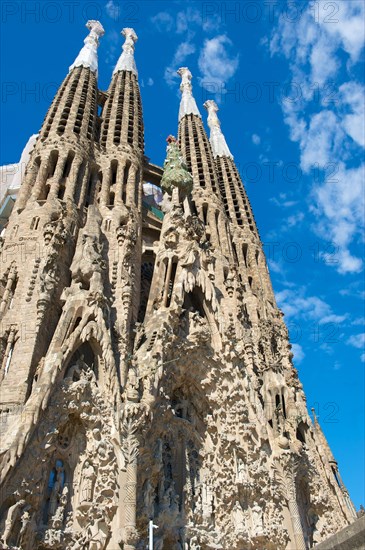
(350, 538)
(145, 369)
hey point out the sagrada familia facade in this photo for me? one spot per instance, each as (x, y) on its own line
(145, 369)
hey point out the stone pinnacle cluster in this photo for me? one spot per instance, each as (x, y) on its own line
(145, 368)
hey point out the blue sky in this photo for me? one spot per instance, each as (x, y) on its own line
(289, 83)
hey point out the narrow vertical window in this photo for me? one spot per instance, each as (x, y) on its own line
(34, 223)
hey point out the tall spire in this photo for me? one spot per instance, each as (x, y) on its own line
(126, 61)
(217, 139)
(88, 56)
(322, 439)
(187, 105)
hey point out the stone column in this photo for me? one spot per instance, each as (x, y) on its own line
(72, 178)
(27, 185)
(131, 183)
(120, 182)
(131, 452)
(41, 178)
(104, 198)
(56, 180)
(295, 517)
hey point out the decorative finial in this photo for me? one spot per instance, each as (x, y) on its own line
(217, 139)
(88, 56)
(176, 173)
(187, 105)
(126, 61)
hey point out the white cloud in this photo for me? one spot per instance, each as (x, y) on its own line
(328, 125)
(357, 341)
(358, 321)
(112, 9)
(362, 357)
(352, 95)
(184, 21)
(337, 365)
(349, 29)
(256, 139)
(163, 21)
(283, 201)
(294, 220)
(298, 353)
(216, 62)
(297, 305)
(183, 50)
(149, 82)
(112, 38)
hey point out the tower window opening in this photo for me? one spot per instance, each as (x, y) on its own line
(125, 180)
(283, 405)
(35, 223)
(68, 164)
(277, 401)
(53, 163)
(8, 360)
(171, 283)
(89, 189)
(205, 213)
(107, 224)
(113, 170)
(300, 432)
(136, 188)
(244, 250)
(61, 192)
(147, 268)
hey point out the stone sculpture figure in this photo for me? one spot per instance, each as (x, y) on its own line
(87, 482)
(257, 519)
(59, 515)
(13, 516)
(56, 490)
(238, 517)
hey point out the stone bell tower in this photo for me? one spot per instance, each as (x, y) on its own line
(145, 368)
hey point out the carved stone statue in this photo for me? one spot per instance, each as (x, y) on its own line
(241, 471)
(12, 518)
(59, 515)
(98, 532)
(238, 518)
(56, 491)
(87, 482)
(257, 519)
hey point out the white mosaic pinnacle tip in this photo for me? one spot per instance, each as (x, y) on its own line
(188, 105)
(88, 56)
(217, 139)
(126, 61)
